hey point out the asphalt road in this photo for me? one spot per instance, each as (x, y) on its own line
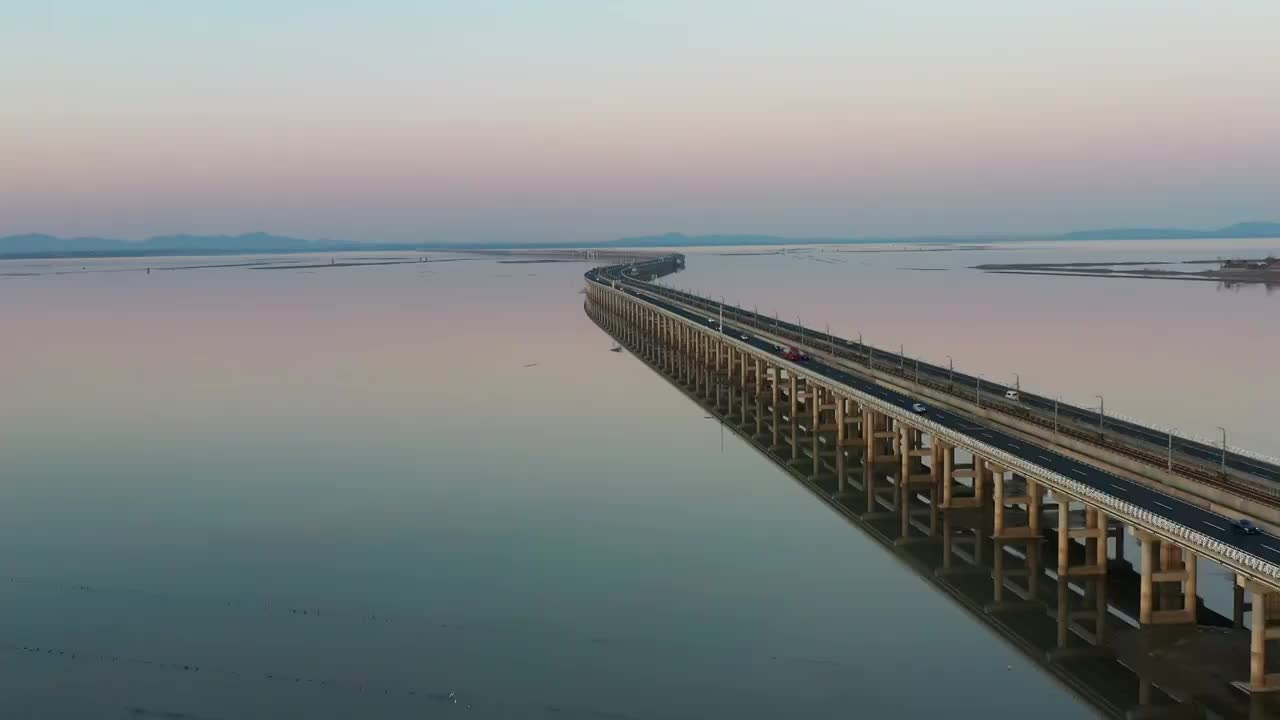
(1086, 417)
(1264, 546)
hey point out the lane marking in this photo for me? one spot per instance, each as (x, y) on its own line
(1268, 547)
(1046, 458)
(1077, 471)
(1015, 446)
(1166, 507)
(1206, 522)
(1117, 487)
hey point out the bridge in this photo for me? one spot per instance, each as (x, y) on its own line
(884, 443)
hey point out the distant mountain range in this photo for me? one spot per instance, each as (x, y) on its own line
(39, 246)
(50, 246)
(1237, 231)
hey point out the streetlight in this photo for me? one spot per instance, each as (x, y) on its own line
(1170, 464)
(951, 371)
(831, 340)
(800, 324)
(917, 371)
(721, 326)
(1017, 383)
(979, 392)
(1102, 411)
(902, 356)
(1056, 400)
(755, 316)
(1224, 449)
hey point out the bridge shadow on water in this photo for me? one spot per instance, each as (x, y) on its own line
(1080, 630)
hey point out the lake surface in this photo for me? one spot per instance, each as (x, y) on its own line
(429, 490)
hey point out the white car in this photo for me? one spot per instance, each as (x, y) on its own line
(745, 337)
(919, 408)
(1012, 395)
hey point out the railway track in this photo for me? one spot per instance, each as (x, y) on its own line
(1217, 480)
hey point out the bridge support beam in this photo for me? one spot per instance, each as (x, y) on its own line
(1093, 535)
(1011, 491)
(1166, 569)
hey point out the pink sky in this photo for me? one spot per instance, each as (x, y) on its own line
(499, 121)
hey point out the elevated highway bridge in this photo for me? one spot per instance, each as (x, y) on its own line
(928, 446)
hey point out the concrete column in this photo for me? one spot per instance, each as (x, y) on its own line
(1258, 642)
(997, 485)
(1266, 608)
(1064, 535)
(1237, 603)
(1036, 494)
(841, 432)
(948, 466)
(1146, 605)
(775, 387)
(794, 399)
(813, 398)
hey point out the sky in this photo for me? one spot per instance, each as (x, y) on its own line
(583, 120)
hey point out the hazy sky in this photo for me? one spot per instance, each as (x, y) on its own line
(591, 119)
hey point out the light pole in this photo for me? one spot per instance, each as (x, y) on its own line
(1169, 467)
(831, 340)
(917, 371)
(755, 316)
(800, 324)
(721, 326)
(1224, 449)
(951, 372)
(979, 392)
(902, 357)
(1055, 415)
(1017, 383)
(1102, 411)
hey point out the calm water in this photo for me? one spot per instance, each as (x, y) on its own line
(429, 490)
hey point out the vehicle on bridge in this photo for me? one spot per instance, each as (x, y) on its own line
(1245, 526)
(919, 408)
(1013, 395)
(794, 355)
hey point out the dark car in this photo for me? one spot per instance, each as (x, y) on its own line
(1245, 526)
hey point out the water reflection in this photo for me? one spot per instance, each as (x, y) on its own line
(1080, 629)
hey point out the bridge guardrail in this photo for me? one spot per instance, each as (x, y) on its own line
(791, 330)
(1112, 505)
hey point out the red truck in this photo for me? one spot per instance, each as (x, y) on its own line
(794, 355)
